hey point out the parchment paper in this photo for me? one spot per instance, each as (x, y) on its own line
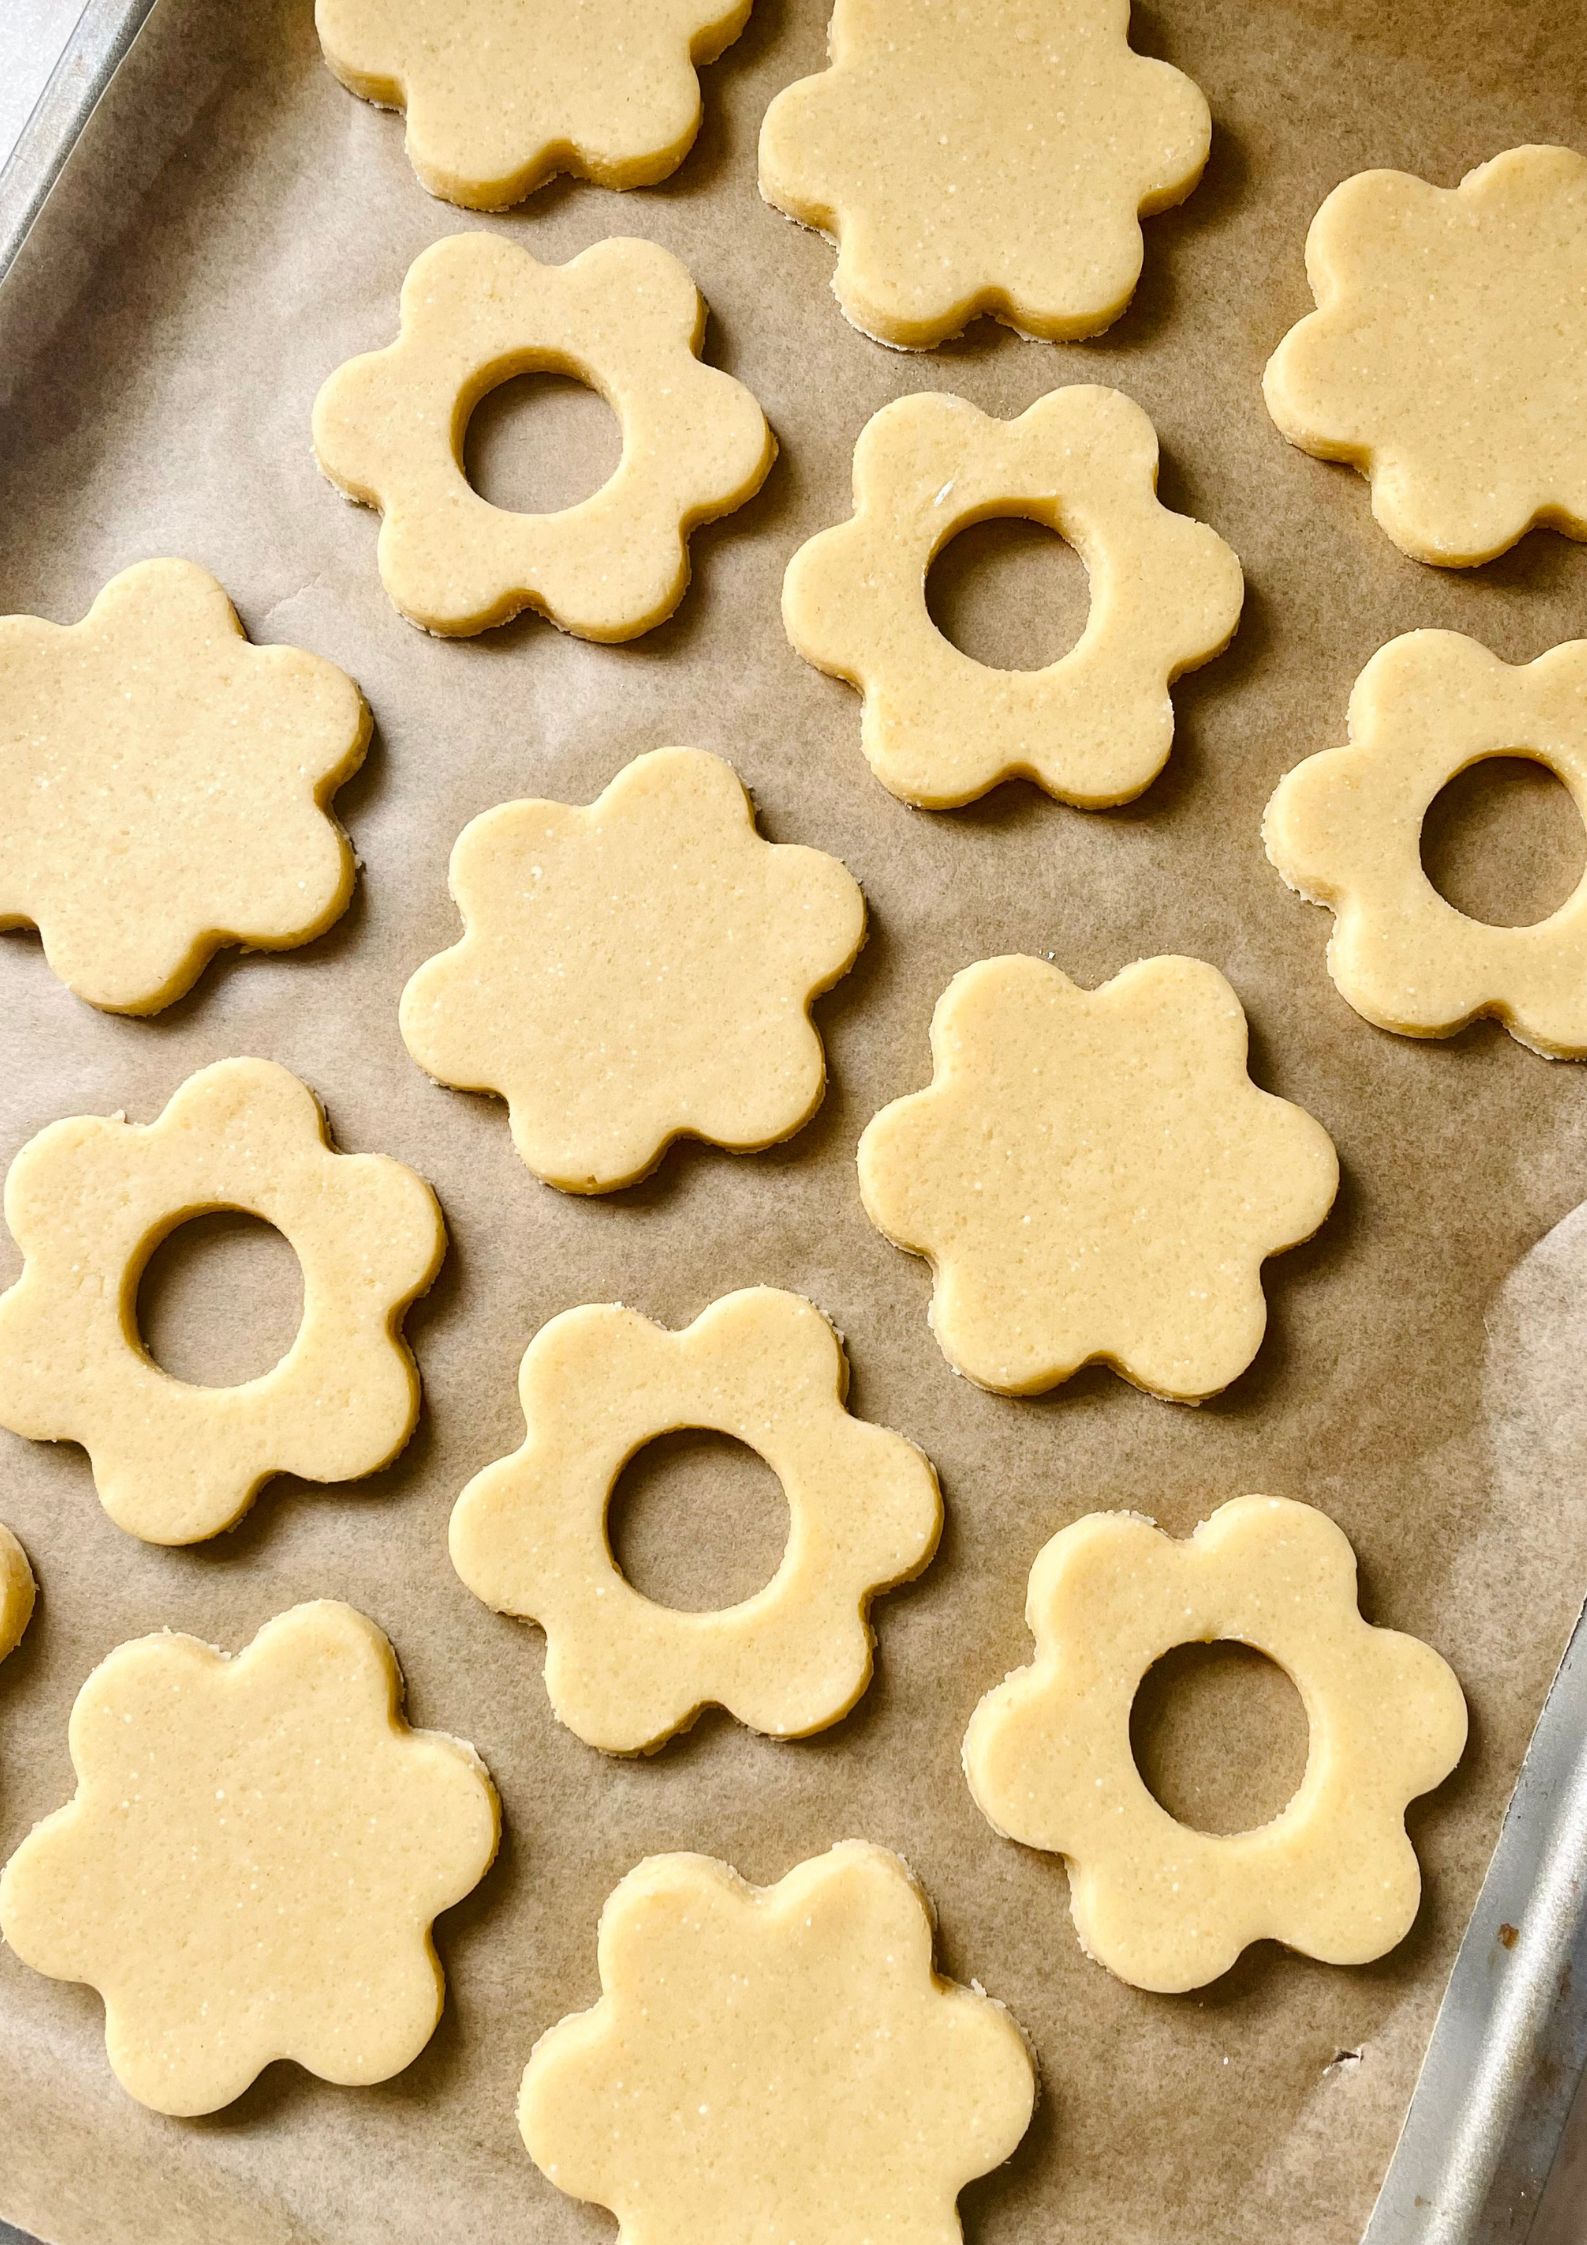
(234, 227)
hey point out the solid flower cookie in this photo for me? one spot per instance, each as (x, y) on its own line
(165, 787)
(625, 318)
(17, 1592)
(939, 728)
(501, 95)
(971, 158)
(529, 1534)
(253, 1859)
(636, 971)
(778, 2062)
(90, 1198)
(1447, 356)
(1093, 1174)
(1047, 1753)
(1344, 829)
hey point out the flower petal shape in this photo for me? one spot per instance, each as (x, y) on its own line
(939, 728)
(17, 1592)
(625, 318)
(253, 1859)
(165, 787)
(776, 2062)
(1047, 1753)
(1093, 1174)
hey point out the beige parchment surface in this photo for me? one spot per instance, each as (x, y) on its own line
(236, 226)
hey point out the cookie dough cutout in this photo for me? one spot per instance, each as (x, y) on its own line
(90, 1199)
(938, 728)
(1048, 1759)
(625, 318)
(1093, 1175)
(252, 1862)
(1447, 357)
(17, 1592)
(529, 1533)
(165, 787)
(635, 972)
(776, 2062)
(1344, 829)
(501, 95)
(968, 158)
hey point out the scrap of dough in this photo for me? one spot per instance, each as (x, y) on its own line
(939, 728)
(90, 1198)
(1048, 1759)
(635, 972)
(17, 1592)
(253, 1859)
(501, 95)
(1093, 1174)
(1344, 829)
(529, 1532)
(776, 2062)
(969, 157)
(1447, 357)
(625, 318)
(165, 787)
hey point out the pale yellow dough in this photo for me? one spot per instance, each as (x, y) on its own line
(1093, 1174)
(938, 728)
(503, 94)
(1344, 828)
(777, 2063)
(1447, 357)
(529, 1533)
(17, 1592)
(969, 157)
(253, 1859)
(625, 318)
(1048, 1756)
(90, 1198)
(635, 972)
(165, 787)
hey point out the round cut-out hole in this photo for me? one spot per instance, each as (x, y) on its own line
(220, 1300)
(1503, 842)
(541, 442)
(1219, 1735)
(1009, 593)
(697, 1521)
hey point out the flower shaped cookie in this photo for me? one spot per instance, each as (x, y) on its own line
(502, 95)
(89, 1199)
(634, 972)
(776, 2062)
(476, 310)
(939, 728)
(1344, 828)
(529, 1533)
(165, 787)
(1092, 1173)
(1447, 357)
(969, 158)
(253, 1859)
(17, 1592)
(1048, 1757)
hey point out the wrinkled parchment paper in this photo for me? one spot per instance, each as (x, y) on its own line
(234, 227)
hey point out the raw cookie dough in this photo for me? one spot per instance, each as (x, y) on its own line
(1447, 357)
(501, 95)
(635, 972)
(251, 1864)
(529, 1533)
(938, 728)
(1092, 1174)
(776, 2063)
(165, 787)
(969, 157)
(90, 1198)
(624, 317)
(1344, 829)
(1048, 1756)
(17, 1592)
